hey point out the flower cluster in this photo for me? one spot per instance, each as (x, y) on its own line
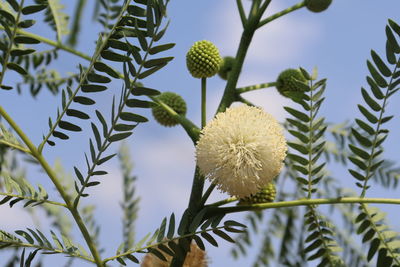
(241, 150)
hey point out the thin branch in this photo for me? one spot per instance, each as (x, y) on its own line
(207, 194)
(223, 202)
(35, 199)
(53, 250)
(241, 12)
(302, 202)
(15, 146)
(280, 14)
(52, 43)
(246, 89)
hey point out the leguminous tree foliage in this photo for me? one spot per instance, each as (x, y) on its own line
(277, 173)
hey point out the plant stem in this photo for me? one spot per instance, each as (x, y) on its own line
(15, 146)
(53, 177)
(311, 141)
(255, 15)
(203, 102)
(52, 43)
(301, 202)
(191, 129)
(282, 13)
(241, 12)
(35, 199)
(223, 202)
(207, 194)
(245, 101)
(255, 87)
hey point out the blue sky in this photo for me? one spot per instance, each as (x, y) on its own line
(337, 41)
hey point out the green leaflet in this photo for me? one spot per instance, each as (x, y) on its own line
(57, 19)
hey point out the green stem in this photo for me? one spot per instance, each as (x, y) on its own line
(241, 12)
(223, 202)
(203, 102)
(192, 130)
(280, 14)
(196, 192)
(52, 43)
(15, 146)
(255, 15)
(302, 202)
(53, 177)
(255, 87)
(245, 101)
(310, 144)
(207, 194)
(18, 245)
(198, 180)
(35, 199)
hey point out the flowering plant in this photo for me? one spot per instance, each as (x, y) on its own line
(277, 172)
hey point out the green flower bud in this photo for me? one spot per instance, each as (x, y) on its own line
(173, 100)
(317, 5)
(203, 59)
(267, 194)
(286, 81)
(225, 67)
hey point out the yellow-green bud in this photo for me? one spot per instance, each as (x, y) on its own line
(173, 100)
(286, 81)
(317, 5)
(267, 194)
(226, 67)
(203, 59)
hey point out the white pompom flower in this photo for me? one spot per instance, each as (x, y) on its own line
(241, 150)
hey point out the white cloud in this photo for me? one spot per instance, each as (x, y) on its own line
(283, 40)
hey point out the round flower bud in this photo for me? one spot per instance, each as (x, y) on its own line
(203, 59)
(317, 5)
(267, 194)
(226, 67)
(173, 100)
(241, 150)
(286, 81)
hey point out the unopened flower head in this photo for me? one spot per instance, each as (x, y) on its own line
(317, 5)
(226, 67)
(241, 150)
(286, 81)
(203, 59)
(265, 195)
(173, 100)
